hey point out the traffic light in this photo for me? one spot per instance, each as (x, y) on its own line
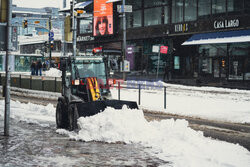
(52, 46)
(25, 24)
(223, 63)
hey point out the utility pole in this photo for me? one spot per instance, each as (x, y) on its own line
(124, 39)
(50, 49)
(7, 70)
(63, 35)
(74, 27)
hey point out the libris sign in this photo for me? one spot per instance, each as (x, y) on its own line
(226, 24)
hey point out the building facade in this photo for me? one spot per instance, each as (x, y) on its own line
(172, 23)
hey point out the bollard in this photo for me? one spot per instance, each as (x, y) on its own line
(20, 81)
(43, 83)
(30, 82)
(139, 94)
(119, 90)
(165, 98)
(55, 84)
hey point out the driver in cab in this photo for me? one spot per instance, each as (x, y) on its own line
(87, 71)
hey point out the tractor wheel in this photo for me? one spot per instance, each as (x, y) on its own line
(73, 116)
(61, 116)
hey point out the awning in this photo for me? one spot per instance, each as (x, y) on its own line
(82, 5)
(219, 37)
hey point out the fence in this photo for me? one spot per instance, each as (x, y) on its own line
(53, 84)
(50, 84)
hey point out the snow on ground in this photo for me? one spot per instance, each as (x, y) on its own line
(53, 72)
(205, 102)
(172, 141)
(169, 140)
(30, 113)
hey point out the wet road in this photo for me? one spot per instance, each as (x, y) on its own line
(33, 145)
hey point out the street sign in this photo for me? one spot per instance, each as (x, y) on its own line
(51, 36)
(126, 9)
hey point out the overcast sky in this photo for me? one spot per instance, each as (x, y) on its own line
(39, 3)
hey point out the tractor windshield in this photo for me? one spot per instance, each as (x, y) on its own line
(89, 68)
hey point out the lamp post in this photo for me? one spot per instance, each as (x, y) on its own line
(74, 28)
(7, 70)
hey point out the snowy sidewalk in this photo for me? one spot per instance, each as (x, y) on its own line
(229, 105)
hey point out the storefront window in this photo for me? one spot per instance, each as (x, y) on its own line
(177, 11)
(128, 20)
(235, 5)
(150, 3)
(152, 16)
(1, 63)
(190, 10)
(247, 69)
(137, 18)
(137, 4)
(22, 63)
(204, 8)
(237, 54)
(85, 26)
(218, 6)
(247, 6)
(166, 14)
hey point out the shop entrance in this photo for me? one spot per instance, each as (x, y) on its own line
(219, 68)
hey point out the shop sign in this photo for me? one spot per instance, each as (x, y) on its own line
(155, 48)
(181, 27)
(164, 49)
(226, 24)
(85, 38)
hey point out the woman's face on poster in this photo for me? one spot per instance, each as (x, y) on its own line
(102, 27)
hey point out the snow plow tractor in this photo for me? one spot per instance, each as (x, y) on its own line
(85, 90)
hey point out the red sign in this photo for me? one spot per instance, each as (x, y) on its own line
(97, 50)
(164, 49)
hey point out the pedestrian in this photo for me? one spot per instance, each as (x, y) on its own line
(33, 67)
(39, 67)
(44, 66)
(36, 67)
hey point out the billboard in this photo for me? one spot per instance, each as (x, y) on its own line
(103, 18)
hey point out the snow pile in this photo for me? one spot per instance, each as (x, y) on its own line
(30, 113)
(170, 140)
(53, 72)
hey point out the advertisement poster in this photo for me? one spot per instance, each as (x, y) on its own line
(103, 18)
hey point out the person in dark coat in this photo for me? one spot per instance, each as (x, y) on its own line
(39, 67)
(44, 66)
(33, 67)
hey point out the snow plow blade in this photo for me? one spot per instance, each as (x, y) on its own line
(92, 108)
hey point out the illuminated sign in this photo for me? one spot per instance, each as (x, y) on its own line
(226, 24)
(103, 18)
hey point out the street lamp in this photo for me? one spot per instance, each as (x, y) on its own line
(124, 33)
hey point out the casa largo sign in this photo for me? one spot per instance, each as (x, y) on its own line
(222, 24)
